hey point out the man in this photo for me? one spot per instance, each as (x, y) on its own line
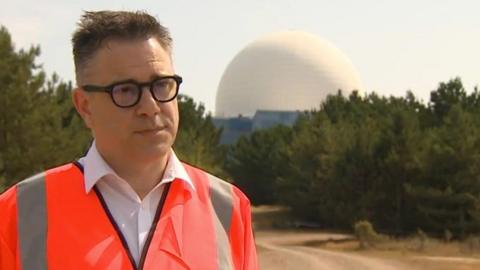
(129, 203)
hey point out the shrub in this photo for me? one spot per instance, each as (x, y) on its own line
(422, 240)
(447, 236)
(366, 234)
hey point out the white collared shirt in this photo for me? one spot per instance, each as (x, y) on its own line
(133, 215)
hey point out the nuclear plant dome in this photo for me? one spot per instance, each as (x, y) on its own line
(284, 71)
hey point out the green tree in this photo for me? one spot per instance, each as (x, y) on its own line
(304, 186)
(447, 193)
(350, 161)
(198, 140)
(38, 126)
(446, 96)
(401, 138)
(256, 161)
(362, 157)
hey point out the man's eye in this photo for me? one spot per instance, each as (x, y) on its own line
(125, 89)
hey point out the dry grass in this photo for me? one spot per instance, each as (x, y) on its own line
(436, 254)
(406, 246)
(406, 252)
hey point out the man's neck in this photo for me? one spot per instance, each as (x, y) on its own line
(142, 176)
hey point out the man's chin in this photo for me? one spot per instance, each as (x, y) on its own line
(155, 151)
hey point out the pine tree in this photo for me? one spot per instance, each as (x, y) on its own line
(39, 127)
(198, 140)
(256, 161)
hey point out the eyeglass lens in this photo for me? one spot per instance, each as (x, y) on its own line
(127, 94)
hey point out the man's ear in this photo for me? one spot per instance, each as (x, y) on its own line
(82, 102)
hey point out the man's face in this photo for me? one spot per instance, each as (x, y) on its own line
(145, 131)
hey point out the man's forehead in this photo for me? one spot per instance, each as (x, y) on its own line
(121, 56)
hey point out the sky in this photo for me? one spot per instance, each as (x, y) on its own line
(394, 45)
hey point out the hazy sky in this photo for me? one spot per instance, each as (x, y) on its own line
(395, 45)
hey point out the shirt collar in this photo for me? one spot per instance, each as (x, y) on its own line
(95, 168)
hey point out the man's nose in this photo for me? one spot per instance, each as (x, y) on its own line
(147, 104)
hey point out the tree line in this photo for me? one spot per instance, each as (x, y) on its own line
(396, 161)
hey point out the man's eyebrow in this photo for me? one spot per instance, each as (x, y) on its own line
(129, 80)
(151, 78)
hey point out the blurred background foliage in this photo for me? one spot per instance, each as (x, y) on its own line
(398, 162)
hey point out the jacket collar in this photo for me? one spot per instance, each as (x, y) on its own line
(95, 168)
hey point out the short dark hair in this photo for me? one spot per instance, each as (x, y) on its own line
(95, 27)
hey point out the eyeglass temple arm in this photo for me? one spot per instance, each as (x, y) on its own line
(93, 88)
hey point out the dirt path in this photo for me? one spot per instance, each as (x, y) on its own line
(287, 250)
(282, 251)
(297, 257)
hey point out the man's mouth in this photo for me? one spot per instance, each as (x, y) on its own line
(150, 131)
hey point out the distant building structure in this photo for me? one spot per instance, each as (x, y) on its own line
(276, 77)
(235, 127)
(267, 119)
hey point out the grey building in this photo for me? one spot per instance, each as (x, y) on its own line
(235, 127)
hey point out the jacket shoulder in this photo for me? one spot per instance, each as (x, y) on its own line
(218, 186)
(9, 196)
(37, 179)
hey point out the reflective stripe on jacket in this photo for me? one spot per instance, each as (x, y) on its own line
(49, 222)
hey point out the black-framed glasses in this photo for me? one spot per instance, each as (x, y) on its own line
(127, 93)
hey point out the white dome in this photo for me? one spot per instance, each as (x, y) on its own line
(284, 71)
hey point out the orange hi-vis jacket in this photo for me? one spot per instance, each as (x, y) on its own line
(48, 222)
